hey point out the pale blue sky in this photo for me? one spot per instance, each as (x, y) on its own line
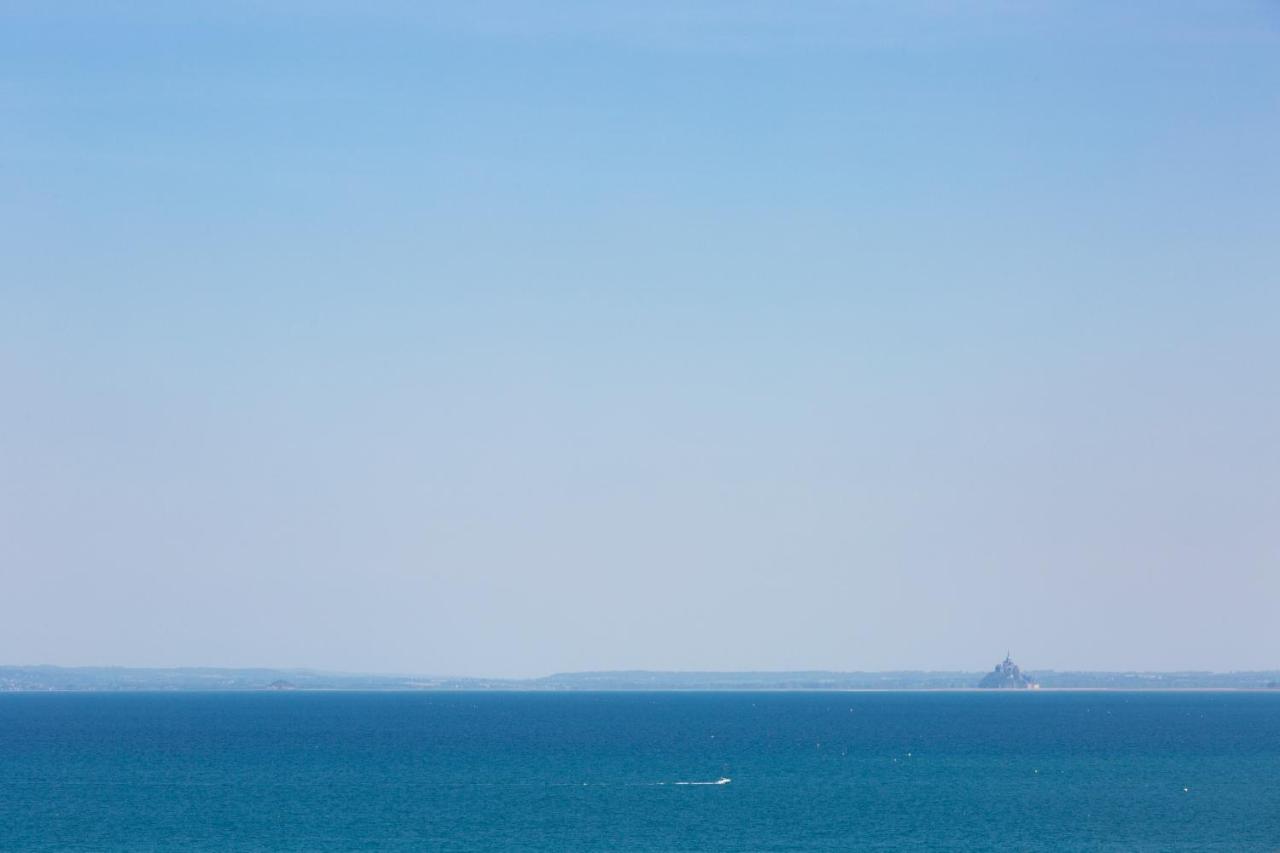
(505, 338)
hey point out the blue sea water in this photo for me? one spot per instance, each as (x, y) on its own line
(599, 771)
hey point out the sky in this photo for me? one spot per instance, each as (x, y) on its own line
(505, 338)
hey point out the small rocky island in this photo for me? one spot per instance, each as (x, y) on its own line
(1007, 676)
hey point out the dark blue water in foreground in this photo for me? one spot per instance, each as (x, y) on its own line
(597, 771)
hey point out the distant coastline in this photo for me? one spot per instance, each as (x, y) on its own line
(43, 679)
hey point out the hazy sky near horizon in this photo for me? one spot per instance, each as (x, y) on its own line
(505, 338)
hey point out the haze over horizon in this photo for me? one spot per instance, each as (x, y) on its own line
(516, 338)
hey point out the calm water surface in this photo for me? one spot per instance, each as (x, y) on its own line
(598, 771)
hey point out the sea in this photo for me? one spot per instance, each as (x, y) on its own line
(634, 771)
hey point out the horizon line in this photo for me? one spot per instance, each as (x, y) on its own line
(320, 670)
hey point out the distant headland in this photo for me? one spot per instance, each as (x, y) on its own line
(1006, 675)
